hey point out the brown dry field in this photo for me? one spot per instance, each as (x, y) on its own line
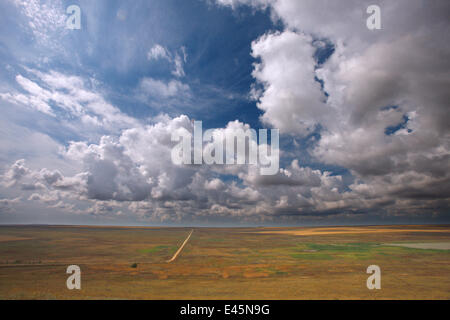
(223, 263)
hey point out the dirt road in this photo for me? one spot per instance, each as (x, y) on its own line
(181, 248)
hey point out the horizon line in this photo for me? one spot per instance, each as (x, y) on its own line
(217, 227)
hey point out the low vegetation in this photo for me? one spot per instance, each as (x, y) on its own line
(130, 263)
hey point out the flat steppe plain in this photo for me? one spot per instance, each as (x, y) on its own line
(225, 263)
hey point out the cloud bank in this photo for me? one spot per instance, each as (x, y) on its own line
(371, 102)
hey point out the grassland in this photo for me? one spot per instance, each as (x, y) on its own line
(223, 263)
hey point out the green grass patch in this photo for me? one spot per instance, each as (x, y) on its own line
(312, 256)
(354, 251)
(155, 249)
(320, 251)
(394, 250)
(342, 247)
(276, 272)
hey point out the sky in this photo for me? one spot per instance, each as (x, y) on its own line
(87, 114)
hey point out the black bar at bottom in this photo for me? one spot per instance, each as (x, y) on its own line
(222, 309)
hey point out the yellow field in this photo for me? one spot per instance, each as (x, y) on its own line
(224, 263)
(353, 230)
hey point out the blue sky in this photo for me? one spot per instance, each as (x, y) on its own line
(86, 114)
(114, 52)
